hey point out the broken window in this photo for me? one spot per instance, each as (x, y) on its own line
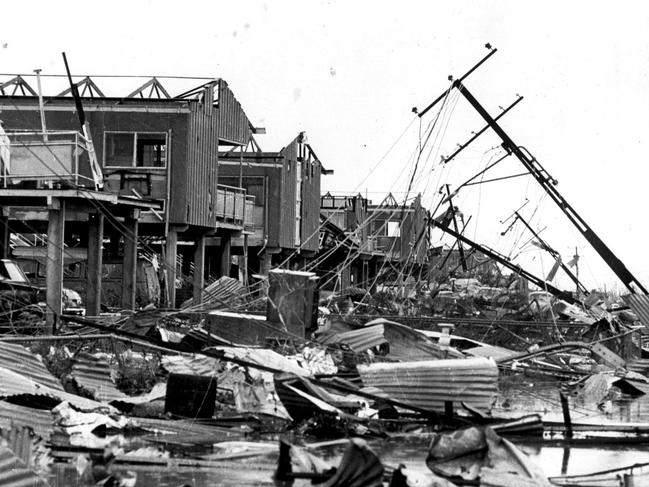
(151, 150)
(135, 149)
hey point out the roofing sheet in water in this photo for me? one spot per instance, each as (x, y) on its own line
(428, 384)
(39, 420)
(14, 473)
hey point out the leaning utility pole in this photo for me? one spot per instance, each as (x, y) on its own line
(547, 182)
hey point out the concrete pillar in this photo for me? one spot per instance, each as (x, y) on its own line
(54, 277)
(170, 267)
(226, 242)
(93, 284)
(129, 276)
(199, 269)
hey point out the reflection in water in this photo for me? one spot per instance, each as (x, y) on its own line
(517, 396)
(410, 451)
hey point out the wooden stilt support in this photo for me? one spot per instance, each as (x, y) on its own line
(54, 274)
(170, 266)
(95, 241)
(199, 269)
(129, 276)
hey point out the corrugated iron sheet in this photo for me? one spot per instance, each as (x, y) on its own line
(94, 375)
(14, 473)
(359, 340)
(201, 163)
(405, 343)
(21, 360)
(234, 126)
(219, 293)
(639, 304)
(39, 420)
(428, 384)
(15, 384)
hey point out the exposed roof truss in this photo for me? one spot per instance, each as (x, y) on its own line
(20, 87)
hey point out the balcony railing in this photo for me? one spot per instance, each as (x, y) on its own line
(230, 203)
(54, 159)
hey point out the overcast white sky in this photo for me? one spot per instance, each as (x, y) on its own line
(348, 73)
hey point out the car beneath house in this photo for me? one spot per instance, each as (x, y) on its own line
(34, 261)
(23, 302)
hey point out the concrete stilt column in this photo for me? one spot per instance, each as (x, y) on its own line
(95, 241)
(170, 267)
(129, 276)
(54, 277)
(199, 269)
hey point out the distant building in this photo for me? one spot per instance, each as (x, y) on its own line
(372, 243)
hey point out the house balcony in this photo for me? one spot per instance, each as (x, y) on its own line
(54, 159)
(234, 206)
